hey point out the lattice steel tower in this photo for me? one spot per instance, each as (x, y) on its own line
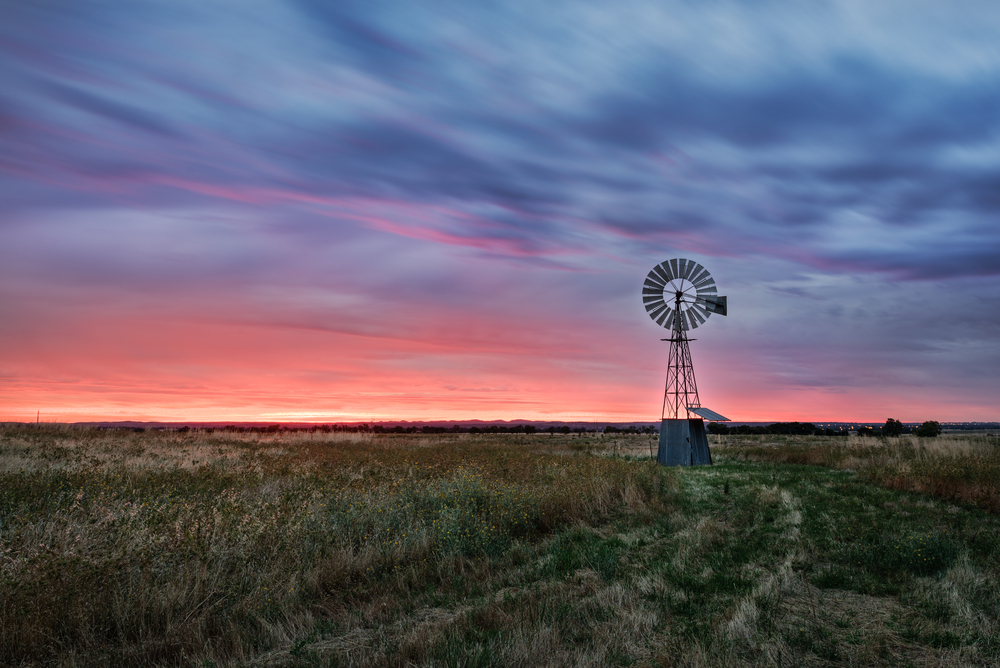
(682, 388)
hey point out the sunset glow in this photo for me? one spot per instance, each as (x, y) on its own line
(303, 212)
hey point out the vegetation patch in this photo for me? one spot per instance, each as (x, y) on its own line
(921, 554)
(357, 549)
(959, 468)
(579, 548)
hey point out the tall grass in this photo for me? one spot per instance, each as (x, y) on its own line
(154, 548)
(215, 549)
(952, 467)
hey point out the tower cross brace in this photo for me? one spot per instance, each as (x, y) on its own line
(682, 389)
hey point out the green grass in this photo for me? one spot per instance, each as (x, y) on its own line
(449, 550)
(955, 467)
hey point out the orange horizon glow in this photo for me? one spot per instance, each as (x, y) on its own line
(157, 367)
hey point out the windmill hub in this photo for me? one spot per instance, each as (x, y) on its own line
(682, 289)
(680, 295)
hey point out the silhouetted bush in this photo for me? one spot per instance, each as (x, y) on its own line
(928, 429)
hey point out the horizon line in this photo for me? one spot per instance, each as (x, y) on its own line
(359, 421)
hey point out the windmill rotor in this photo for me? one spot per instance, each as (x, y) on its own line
(681, 292)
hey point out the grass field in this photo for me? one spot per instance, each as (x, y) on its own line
(221, 549)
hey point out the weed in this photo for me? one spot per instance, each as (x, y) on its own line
(920, 554)
(579, 548)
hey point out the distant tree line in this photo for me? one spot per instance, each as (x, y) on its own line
(648, 429)
(892, 427)
(277, 428)
(791, 428)
(973, 425)
(382, 429)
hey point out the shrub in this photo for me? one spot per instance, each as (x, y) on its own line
(892, 427)
(928, 429)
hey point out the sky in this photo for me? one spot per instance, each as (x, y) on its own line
(332, 211)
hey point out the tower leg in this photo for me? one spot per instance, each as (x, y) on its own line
(683, 443)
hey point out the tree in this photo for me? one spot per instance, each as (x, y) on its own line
(892, 427)
(929, 428)
(802, 428)
(865, 431)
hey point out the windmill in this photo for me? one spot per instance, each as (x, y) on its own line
(681, 295)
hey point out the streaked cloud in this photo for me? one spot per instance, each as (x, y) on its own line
(465, 193)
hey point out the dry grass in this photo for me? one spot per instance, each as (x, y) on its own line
(165, 546)
(198, 549)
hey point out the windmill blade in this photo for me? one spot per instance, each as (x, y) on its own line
(658, 314)
(689, 320)
(666, 319)
(673, 268)
(665, 270)
(653, 304)
(707, 290)
(653, 281)
(698, 273)
(683, 268)
(694, 312)
(704, 282)
(646, 299)
(693, 269)
(703, 278)
(671, 321)
(654, 310)
(652, 290)
(649, 302)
